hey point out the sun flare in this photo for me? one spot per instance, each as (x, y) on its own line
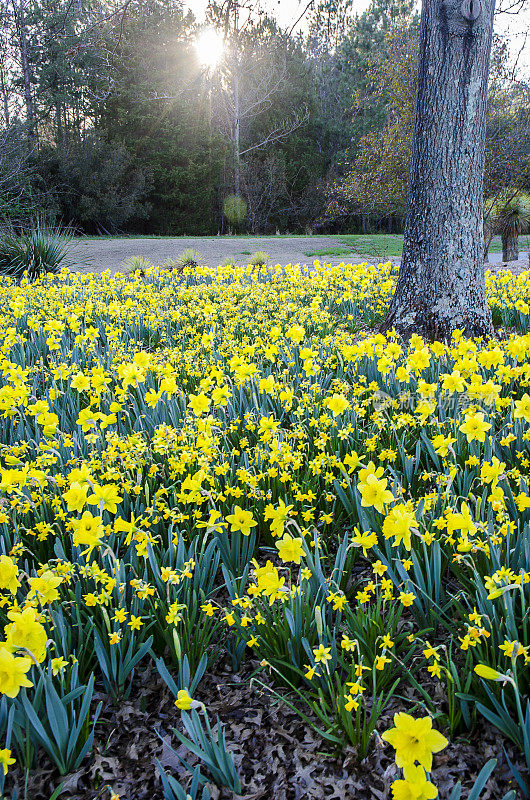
(209, 47)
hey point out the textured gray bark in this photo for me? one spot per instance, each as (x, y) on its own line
(510, 248)
(5, 98)
(441, 281)
(20, 19)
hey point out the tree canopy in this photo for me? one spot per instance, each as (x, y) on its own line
(109, 122)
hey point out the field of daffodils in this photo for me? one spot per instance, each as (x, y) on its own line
(251, 547)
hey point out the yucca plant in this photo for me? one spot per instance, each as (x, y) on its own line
(230, 261)
(510, 217)
(34, 253)
(189, 258)
(136, 264)
(258, 259)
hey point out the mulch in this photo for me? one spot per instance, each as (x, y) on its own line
(277, 754)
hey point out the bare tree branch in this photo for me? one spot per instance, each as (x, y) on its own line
(285, 128)
(300, 18)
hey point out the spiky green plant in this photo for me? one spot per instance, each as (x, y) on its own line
(136, 264)
(189, 258)
(230, 261)
(258, 259)
(510, 217)
(34, 253)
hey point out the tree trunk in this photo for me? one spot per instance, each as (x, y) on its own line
(488, 238)
(5, 98)
(20, 19)
(510, 248)
(237, 129)
(441, 281)
(237, 119)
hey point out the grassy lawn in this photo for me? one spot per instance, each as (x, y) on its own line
(524, 244)
(390, 245)
(383, 245)
(336, 252)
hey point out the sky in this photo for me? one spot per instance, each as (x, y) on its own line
(285, 11)
(288, 11)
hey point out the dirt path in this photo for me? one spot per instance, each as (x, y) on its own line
(97, 255)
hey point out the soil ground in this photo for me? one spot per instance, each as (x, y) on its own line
(97, 255)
